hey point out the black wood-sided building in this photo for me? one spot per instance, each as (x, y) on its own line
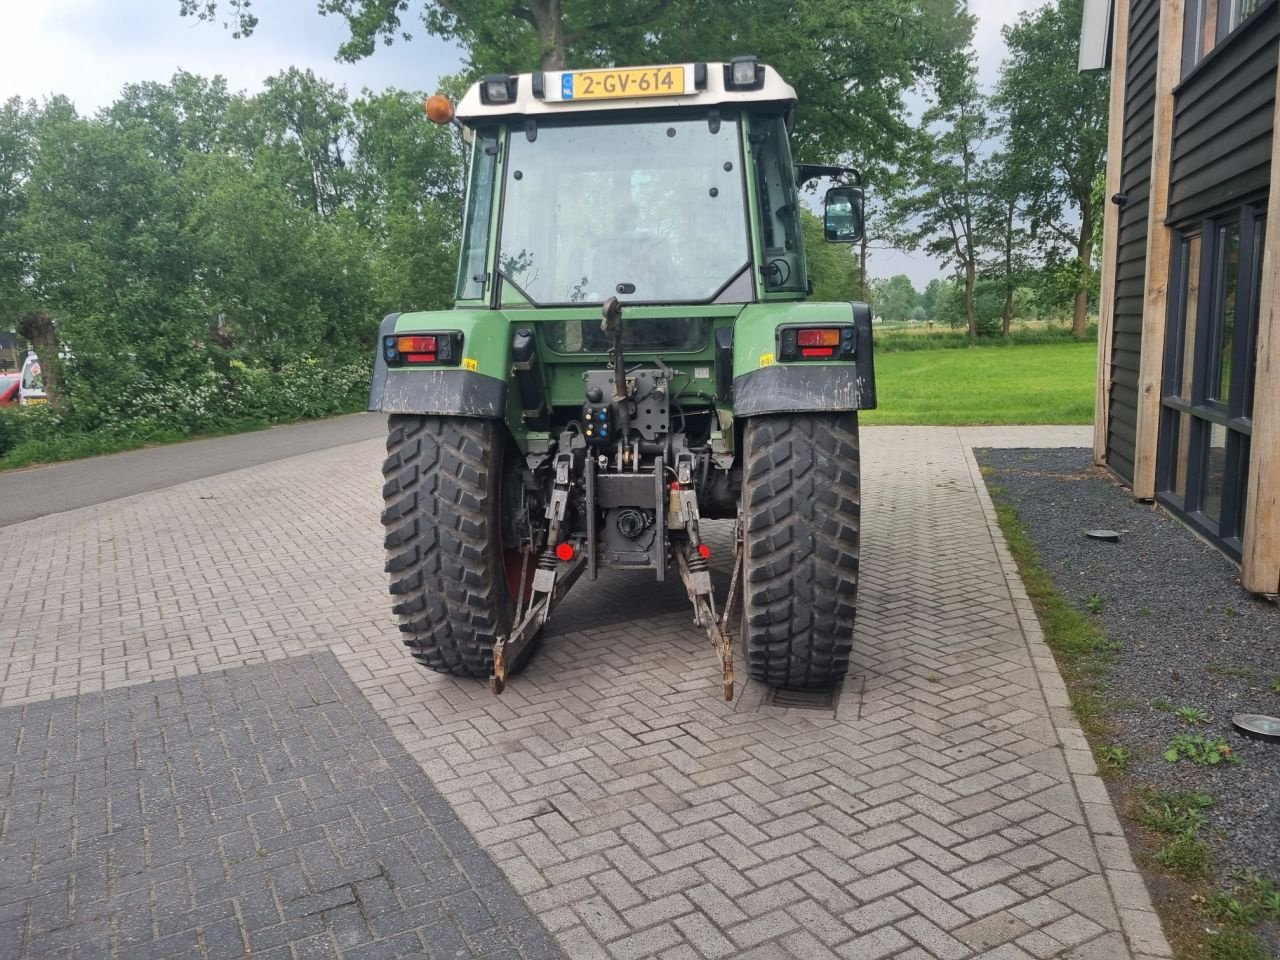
(1188, 409)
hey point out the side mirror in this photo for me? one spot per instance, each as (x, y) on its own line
(842, 215)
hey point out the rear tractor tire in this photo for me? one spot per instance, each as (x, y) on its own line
(801, 500)
(450, 576)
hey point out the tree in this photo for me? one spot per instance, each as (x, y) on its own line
(1057, 134)
(1005, 229)
(833, 267)
(945, 210)
(298, 127)
(17, 153)
(189, 114)
(894, 299)
(849, 62)
(929, 298)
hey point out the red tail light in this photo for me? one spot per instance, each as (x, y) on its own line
(564, 551)
(423, 349)
(825, 337)
(416, 344)
(817, 343)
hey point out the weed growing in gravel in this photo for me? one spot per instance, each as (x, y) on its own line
(1145, 611)
(1192, 715)
(1094, 602)
(1186, 857)
(1112, 759)
(1161, 703)
(1234, 944)
(1087, 705)
(1250, 899)
(1275, 686)
(1171, 811)
(1200, 749)
(1227, 670)
(1177, 818)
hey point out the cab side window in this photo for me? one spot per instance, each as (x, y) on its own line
(780, 229)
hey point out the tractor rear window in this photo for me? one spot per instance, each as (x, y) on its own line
(650, 212)
(665, 334)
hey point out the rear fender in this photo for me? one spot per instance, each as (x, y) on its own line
(476, 387)
(762, 385)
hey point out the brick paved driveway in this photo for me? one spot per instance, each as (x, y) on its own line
(944, 805)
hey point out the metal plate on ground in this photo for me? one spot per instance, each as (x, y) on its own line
(1258, 726)
(1106, 536)
(843, 701)
(804, 699)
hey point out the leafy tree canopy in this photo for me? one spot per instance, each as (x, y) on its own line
(849, 62)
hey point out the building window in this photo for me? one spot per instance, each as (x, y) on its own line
(1207, 396)
(1206, 23)
(1241, 10)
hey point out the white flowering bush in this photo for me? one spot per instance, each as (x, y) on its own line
(137, 408)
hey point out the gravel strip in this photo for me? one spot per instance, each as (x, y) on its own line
(1189, 635)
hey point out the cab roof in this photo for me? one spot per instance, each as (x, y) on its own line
(564, 92)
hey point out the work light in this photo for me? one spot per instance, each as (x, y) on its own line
(744, 73)
(498, 88)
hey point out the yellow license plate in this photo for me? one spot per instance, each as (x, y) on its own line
(32, 401)
(617, 84)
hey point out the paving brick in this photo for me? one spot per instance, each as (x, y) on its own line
(608, 791)
(216, 891)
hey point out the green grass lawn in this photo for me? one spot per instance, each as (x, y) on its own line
(1034, 383)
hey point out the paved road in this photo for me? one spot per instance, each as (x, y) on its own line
(180, 670)
(39, 491)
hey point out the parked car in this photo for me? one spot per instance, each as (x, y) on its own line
(9, 383)
(31, 387)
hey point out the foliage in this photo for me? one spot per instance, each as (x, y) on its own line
(1200, 749)
(912, 340)
(1176, 817)
(146, 412)
(1234, 944)
(1056, 137)
(1192, 715)
(191, 257)
(1246, 903)
(1113, 758)
(850, 63)
(894, 299)
(929, 298)
(944, 209)
(833, 267)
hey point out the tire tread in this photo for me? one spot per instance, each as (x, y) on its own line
(801, 512)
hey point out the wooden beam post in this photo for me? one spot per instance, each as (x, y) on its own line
(1260, 562)
(1111, 227)
(1159, 241)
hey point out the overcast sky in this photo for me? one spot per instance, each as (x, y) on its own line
(89, 49)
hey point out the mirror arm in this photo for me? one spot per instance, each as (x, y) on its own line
(812, 171)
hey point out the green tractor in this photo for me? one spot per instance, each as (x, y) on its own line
(632, 353)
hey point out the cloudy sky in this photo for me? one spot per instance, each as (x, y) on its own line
(89, 49)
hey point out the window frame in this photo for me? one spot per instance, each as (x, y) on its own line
(1202, 414)
(1207, 26)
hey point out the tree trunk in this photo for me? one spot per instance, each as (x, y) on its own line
(38, 328)
(549, 22)
(1007, 316)
(970, 308)
(1084, 251)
